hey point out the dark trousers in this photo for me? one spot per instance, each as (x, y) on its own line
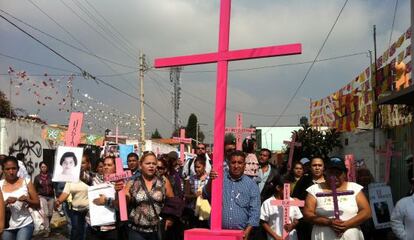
(134, 235)
(94, 234)
(77, 219)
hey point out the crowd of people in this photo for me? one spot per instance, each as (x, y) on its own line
(165, 197)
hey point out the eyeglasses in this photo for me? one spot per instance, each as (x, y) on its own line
(231, 150)
(201, 148)
(160, 168)
(264, 155)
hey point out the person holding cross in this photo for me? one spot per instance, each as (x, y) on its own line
(241, 196)
(271, 217)
(338, 208)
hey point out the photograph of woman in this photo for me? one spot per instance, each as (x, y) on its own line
(67, 164)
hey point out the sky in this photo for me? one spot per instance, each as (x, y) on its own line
(116, 31)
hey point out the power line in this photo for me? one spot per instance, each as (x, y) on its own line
(232, 109)
(84, 73)
(103, 36)
(46, 46)
(393, 22)
(88, 52)
(311, 66)
(83, 45)
(104, 29)
(34, 63)
(110, 25)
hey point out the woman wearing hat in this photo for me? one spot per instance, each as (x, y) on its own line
(354, 209)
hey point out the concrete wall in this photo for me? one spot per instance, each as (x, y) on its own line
(23, 136)
(361, 145)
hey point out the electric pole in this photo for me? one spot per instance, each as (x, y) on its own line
(175, 80)
(142, 116)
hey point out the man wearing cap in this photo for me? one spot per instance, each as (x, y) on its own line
(188, 169)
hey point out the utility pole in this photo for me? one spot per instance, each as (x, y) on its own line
(70, 93)
(374, 107)
(175, 80)
(142, 102)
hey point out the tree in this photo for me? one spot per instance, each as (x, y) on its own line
(156, 134)
(315, 142)
(229, 137)
(191, 129)
(6, 109)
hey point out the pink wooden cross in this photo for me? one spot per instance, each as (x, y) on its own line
(222, 57)
(286, 203)
(239, 130)
(334, 194)
(292, 144)
(351, 167)
(182, 141)
(73, 135)
(119, 176)
(388, 153)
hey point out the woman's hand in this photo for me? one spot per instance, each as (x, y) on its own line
(11, 200)
(213, 174)
(23, 198)
(119, 186)
(339, 226)
(100, 201)
(168, 224)
(289, 227)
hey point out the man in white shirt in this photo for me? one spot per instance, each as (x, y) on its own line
(402, 218)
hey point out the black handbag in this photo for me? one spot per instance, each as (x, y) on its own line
(7, 217)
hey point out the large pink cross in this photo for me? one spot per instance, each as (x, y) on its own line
(351, 167)
(222, 57)
(388, 153)
(239, 130)
(119, 176)
(292, 144)
(182, 141)
(286, 203)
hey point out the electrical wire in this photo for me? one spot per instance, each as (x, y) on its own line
(311, 66)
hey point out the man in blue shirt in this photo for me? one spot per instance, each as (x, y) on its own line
(133, 165)
(241, 196)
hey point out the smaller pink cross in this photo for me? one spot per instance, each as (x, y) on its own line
(286, 203)
(350, 165)
(388, 153)
(73, 134)
(119, 176)
(239, 130)
(292, 144)
(183, 140)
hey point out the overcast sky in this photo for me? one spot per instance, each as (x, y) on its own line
(162, 28)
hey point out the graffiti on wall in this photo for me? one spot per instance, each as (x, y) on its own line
(30, 150)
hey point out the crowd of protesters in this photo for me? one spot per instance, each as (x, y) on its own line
(165, 197)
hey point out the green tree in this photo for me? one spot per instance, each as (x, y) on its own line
(191, 130)
(229, 137)
(315, 142)
(6, 109)
(156, 134)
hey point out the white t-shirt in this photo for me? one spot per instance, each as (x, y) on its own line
(273, 215)
(348, 208)
(20, 215)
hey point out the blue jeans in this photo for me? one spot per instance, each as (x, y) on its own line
(78, 225)
(134, 235)
(24, 233)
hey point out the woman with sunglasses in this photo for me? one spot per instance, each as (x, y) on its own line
(146, 196)
(354, 208)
